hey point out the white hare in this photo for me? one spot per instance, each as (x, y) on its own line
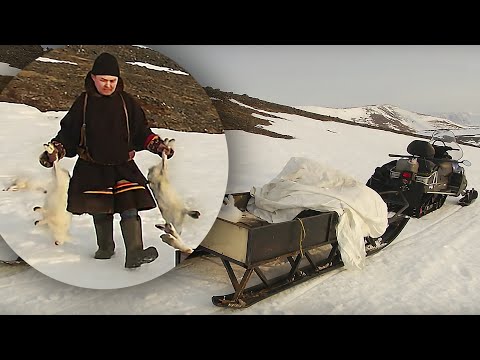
(170, 204)
(54, 210)
(172, 238)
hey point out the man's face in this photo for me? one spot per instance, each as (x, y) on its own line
(105, 84)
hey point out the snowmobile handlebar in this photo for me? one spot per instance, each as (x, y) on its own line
(445, 148)
(403, 156)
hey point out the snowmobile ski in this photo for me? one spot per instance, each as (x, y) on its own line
(468, 198)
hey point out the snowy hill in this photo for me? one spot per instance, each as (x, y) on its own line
(388, 116)
(462, 118)
(242, 112)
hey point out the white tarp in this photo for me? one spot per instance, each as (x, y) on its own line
(307, 184)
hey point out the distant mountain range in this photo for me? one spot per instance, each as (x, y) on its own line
(242, 112)
(387, 116)
(463, 118)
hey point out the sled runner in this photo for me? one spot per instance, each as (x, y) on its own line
(17, 261)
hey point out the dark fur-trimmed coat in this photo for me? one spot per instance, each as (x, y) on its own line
(94, 186)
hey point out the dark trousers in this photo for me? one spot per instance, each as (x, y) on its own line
(127, 214)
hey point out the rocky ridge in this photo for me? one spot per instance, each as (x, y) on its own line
(171, 100)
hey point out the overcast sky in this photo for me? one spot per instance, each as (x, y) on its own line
(421, 78)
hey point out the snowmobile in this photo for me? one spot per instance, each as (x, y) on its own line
(417, 184)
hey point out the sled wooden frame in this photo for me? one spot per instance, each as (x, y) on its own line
(305, 247)
(245, 296)
(292, 243)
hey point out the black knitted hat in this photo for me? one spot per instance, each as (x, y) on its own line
(106, 64)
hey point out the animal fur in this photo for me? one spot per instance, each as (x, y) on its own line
(54, 213)
(172, 238)
(170, 204)
(229, 211)
(24, 183)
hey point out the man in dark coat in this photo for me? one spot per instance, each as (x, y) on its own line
(104, 127)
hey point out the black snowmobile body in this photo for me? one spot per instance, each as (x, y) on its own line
(426, 177)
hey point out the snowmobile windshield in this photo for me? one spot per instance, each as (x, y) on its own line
(445, 142)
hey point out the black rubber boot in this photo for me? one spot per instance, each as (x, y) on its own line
(104, 231)
(132, 236)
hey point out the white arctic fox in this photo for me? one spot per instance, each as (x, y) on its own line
(170, 204)
(25, 183)
(54, 213)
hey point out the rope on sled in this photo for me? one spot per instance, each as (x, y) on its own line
(303, 234)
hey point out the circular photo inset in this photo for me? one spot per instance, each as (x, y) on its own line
(114, 164)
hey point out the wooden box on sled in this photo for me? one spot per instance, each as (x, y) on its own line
(252, 241)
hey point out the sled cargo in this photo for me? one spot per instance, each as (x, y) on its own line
(277, 256)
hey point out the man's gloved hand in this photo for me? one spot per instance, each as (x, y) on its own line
(169, 152)
(158, 146)
(53, 151)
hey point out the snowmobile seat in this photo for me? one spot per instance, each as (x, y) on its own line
(421, 148)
